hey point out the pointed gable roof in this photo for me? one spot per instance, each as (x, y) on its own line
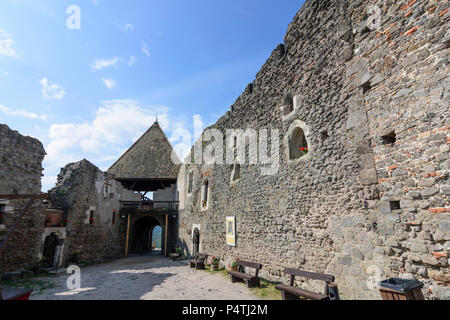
(149, 158)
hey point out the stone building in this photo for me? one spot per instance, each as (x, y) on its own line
(92, 216)
(147, 169)
(93, 230)
(20, 173)
(358, 99)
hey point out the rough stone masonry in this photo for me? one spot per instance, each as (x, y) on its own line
(366, 83)
(20, 173)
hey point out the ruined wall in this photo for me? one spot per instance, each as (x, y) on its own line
(82, 188)
(20, 173)
(330, 211)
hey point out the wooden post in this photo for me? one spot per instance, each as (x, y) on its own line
(128, 235)
(165, 246)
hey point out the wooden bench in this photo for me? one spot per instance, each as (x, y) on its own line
(199, 261)
(291, 292)
(15, 294)
(250, 280)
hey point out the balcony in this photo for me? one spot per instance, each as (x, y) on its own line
(150, 206)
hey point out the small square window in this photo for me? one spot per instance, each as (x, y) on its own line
(395, 205)
(389, 138)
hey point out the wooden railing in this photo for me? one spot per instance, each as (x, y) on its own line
(150, 205)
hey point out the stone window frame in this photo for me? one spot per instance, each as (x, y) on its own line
(7, 209)
(88, 215)
(306, 131)
(296, 106)
(191, 171)
(202, 194)
(233, 181)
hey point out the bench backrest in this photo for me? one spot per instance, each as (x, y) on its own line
(256, 266)
(328, 278)
(200, 257)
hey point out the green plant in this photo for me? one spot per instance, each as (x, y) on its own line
(215, 260)
(304, 150)
(178, 250)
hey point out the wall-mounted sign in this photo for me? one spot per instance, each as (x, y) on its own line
(231, 231)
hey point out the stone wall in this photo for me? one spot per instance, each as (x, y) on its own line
(20, 173)
(80, 189)
(359, 203)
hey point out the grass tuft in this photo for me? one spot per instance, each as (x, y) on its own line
(265, 291)
(38, 285)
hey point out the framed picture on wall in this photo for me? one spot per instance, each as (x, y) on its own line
(231, 231)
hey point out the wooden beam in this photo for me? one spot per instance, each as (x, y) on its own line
(128, 236)
(11, 230)
(23, 196)
(165, 245)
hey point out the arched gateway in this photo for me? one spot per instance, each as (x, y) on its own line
(143, 235)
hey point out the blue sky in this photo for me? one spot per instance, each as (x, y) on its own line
(91, 92)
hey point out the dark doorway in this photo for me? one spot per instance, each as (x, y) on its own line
(48, 254)
(143, 235)
(196, 240)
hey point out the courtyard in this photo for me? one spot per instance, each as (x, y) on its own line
(146, 277)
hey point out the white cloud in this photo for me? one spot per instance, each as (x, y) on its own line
(127, 27)
(7, 45)
(109, 83)
(132, 61)
(100, 64)
(117, 124)
(51, 91)
(22, 113)
(145, 49)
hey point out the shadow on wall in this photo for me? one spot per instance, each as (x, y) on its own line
(185, 249)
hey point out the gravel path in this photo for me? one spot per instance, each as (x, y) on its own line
(145, 278)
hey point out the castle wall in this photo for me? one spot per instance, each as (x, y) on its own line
(20, 173)
(335, 210)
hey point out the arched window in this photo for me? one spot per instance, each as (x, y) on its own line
(298, 146)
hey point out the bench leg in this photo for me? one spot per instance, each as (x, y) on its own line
(236, 279)
(252, 283)
(287, 296)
